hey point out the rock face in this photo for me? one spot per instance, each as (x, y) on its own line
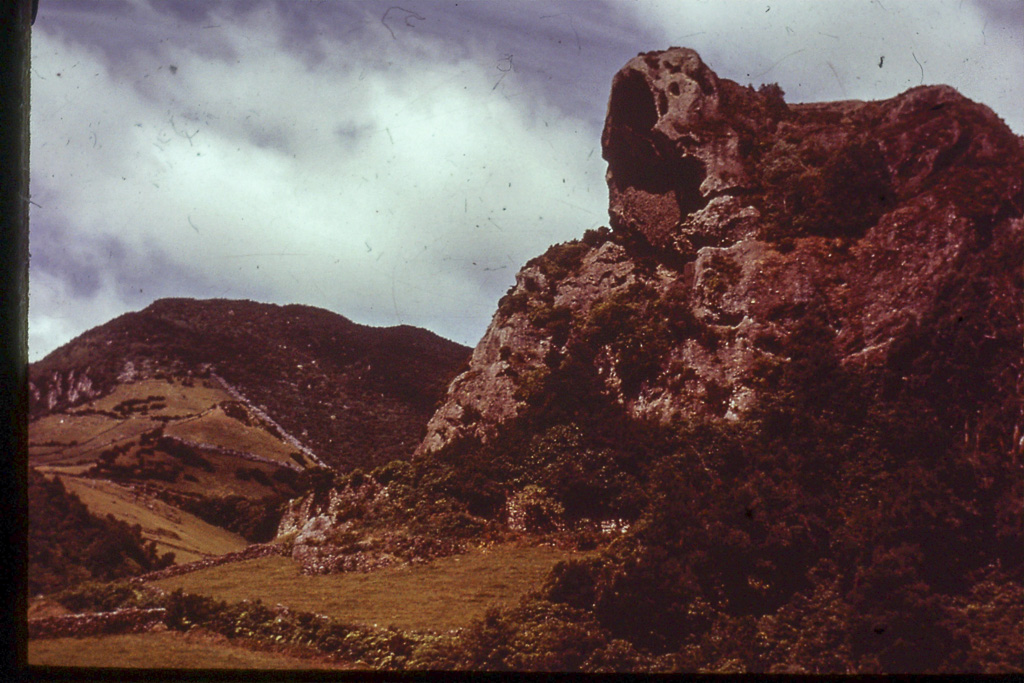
(61, 388)
(745, 230)
(788, 378)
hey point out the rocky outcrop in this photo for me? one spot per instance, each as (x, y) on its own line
(746, 230)
(320, 533)
(61, 389)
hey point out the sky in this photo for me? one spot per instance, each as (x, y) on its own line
(397, 163)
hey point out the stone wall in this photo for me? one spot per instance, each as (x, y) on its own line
(130, 620)
(250, 553)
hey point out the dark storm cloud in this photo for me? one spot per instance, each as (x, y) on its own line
(561, 51)
(54, 254)
(121, 31)
(1002, 12)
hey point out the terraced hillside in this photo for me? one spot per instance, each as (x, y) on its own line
(198, 470)
(196, 420)
(353, 395)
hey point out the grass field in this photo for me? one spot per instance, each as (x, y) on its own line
(446, 594)
(166, 650)
(181, 533)
(217, 429)
(75, 439)
(70, 443)
(178, 398)
(79, 436)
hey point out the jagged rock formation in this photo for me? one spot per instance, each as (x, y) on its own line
(741, 225)
(793, 369)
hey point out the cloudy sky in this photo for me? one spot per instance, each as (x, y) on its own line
(397, 163)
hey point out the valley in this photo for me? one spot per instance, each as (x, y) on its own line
(154, 449)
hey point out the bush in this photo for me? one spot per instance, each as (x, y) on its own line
(819, 187)
(398, 471)
(185, 610)
(536, 636)
(533, 511)
(106, 597)
(316, 480)
(561, 259)
(187, 454)
(256, 520)
(585, 481)
(631, 323)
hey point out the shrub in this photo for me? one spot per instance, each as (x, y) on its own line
(561, 259)
(395, 471)
(821, 188)
(185, 610)
(316, 480)
(556, 320)
(533, 511)
(631, 324)
(256, 520)
(106, 597)
(595, 238)
(187, 454)
(535, 636)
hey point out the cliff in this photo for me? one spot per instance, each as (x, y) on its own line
(745, 228)
(790, 375)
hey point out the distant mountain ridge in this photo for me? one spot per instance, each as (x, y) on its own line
(357, 396)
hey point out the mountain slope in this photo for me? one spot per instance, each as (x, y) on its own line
(198, 420)
(355, 396)
(67, 544)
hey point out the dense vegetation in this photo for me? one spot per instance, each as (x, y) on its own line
(68, 545)
(845, 524)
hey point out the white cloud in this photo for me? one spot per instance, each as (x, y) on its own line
(829, 50)
(239, 172)
(395, 179)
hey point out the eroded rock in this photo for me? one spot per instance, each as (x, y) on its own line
(747, 233)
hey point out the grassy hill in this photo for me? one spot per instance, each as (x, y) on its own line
(196, 469)
(195, 420)
(355, 395)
